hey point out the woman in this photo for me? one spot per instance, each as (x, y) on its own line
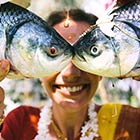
(71, 114)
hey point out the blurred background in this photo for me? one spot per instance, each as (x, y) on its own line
(30, 91)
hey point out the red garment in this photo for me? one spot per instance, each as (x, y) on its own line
(21, 124)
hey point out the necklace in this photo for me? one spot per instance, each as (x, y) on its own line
(57, 131)
(88, 132)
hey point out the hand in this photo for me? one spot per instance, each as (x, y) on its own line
(136, 78)
(4, 68)
(1, 108)
(1, 103)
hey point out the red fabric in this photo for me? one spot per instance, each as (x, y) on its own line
(21, 124)
(128, 126)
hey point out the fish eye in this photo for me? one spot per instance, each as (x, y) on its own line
(94, 50)
(52, 51)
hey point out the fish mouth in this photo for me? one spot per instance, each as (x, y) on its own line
(80, 57)
(73, 90)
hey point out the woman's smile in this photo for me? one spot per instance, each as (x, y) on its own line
(71, 90)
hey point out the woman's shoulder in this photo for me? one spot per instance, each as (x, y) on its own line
(21, 122)
(118, 106)
(130, 109)
(117, 111)
(24, 110)
(118, 121)
(109, 110)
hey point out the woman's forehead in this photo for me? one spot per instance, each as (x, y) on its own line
(72, 30)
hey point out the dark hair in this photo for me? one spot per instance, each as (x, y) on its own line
(74, 14)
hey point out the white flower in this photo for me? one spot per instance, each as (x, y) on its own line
(88, 131)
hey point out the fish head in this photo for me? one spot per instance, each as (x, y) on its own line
(37, 50)
(95, 53)
(111, 48)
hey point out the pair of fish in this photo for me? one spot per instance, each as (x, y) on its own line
(36, 49)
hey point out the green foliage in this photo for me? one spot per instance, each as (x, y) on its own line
(126, 91)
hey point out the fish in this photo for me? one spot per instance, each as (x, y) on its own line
(111, 47)
(33, 48)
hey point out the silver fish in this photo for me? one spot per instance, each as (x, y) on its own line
(111, 48)
(33, 48)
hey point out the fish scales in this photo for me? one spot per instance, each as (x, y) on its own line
(11, 14)
(129, 11)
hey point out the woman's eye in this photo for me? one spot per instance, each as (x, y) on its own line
(94, 51)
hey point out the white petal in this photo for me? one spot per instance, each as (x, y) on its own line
(3, 1)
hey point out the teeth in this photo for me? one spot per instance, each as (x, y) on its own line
(73, 89)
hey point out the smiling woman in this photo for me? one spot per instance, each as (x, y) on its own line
(70, 113)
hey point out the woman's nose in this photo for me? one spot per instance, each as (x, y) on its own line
(71, 73)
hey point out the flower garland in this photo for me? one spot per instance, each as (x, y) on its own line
(88, 131)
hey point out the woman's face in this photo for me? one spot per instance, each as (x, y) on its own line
(71, 88)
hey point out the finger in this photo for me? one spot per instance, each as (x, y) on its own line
(136, 78)
(4, 68)
(2, 95)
